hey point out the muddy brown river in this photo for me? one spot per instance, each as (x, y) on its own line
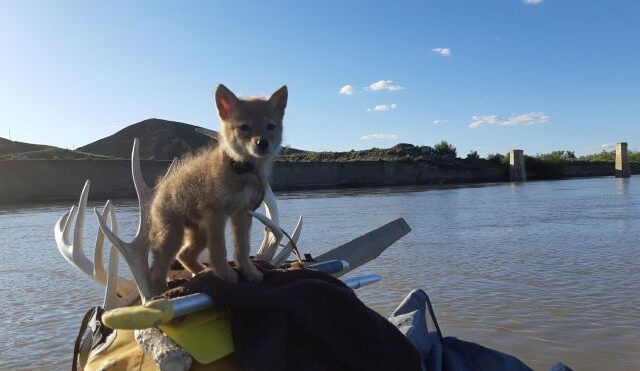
(546, 271)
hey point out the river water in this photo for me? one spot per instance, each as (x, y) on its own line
(546, 271)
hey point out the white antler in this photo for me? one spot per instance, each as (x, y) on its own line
(273, 233)
(136, 255)
(281, 258)
(272, 236)
(72, 250)
(136, 252)
(111, 300)
(119, 291)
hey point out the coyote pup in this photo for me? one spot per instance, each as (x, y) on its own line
(191, 206)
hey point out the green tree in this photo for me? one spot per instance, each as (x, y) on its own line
(496, 158)
(557, 156)
(473, 155)
(602, 156)
(445, 149)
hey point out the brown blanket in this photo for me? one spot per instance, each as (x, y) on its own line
(302, 319)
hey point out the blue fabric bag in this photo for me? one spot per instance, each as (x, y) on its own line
(448, 353)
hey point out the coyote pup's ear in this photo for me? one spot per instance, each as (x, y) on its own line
(279, 99)
(226, 101)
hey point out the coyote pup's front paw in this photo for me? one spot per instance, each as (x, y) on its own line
(251, 273)
(229, 275)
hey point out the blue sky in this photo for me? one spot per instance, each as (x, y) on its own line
(484, 75)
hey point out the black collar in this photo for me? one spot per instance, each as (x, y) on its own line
(242, 167)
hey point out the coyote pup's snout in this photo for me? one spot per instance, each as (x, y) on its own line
(191, 206)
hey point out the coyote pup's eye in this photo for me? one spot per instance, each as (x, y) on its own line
(245, 128)
(270, 126)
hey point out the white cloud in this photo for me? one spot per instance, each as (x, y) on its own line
(445, 52)
(379, 137)
(346, 90)
(384, 85)
(437, 122)
(383, 107)
(529, 118)
(532, 2)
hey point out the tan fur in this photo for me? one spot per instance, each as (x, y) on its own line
(190, 207)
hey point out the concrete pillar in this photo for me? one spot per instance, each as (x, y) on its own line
(622, 161)
(516, 166)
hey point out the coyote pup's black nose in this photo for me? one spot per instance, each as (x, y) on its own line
(262, 144)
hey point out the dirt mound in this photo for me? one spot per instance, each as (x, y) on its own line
(8, 147)
(159, 140)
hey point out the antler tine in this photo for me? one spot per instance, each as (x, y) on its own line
(270, 239)
(125, 288)
(61, 232)
(111, 297)
(270, 224)
(286, 251)
(72, 251)
(144, 192)
(134, 253)
(142, 189)
(99, 271)
(78, 231)
(65, 220)
(271, 229)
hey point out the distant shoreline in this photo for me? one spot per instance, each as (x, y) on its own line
(29, 181)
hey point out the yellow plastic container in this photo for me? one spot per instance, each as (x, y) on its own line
(206, 335)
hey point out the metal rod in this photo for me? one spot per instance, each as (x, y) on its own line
(190, 303)
(330, 266)
(163, 310)
(195, 302)
(362, 281)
